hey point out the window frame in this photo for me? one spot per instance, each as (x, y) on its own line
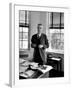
(48, 29)
(24, 25)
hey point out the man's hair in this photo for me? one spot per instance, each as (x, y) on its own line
(39, 25)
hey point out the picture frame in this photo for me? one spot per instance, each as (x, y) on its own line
(14, 45)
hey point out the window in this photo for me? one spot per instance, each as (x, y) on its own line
(56, 20)
(23, 29)
(57, 39)
(56, 31)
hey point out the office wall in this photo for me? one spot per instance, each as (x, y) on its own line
(36, 18)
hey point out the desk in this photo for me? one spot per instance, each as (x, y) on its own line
(33, 71)
(55, 62)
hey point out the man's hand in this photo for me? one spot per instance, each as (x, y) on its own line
(40, 46)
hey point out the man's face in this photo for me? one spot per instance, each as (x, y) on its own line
(40, 28)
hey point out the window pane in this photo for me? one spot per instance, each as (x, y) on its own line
(62, 19)
(25, 29)
(55, 30)
(25, 36)
(62, 37)
(57, 40)
(20, 36)
(20, 29)
(21, 22)
(56, 19)
(20, 44)
(22, 16)
(25, 44)
(61, 46)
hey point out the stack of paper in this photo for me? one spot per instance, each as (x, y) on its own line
(48, 68)
(27, 74)
(21, 60)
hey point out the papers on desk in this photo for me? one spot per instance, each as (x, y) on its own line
(27, 63)
(24, 68)
(48, 68)
(21, 60)
(27, 74)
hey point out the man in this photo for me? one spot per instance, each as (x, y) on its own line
(39, 42)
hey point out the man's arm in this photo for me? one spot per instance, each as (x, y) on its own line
(33, 45)
(46, 43)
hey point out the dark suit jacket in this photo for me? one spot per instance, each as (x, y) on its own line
(39, 53)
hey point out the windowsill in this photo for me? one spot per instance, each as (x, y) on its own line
(24, 49)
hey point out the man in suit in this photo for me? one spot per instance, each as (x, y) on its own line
(39, 42)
